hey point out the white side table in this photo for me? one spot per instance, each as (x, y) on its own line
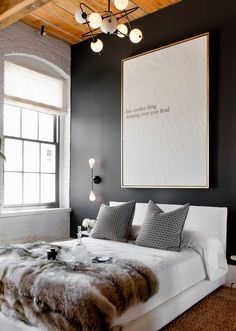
(233, 258)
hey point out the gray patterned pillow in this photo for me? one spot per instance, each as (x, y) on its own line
(114, 222)
(135, 229)
(162, 230)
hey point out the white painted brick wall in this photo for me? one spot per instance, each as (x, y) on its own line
(34, 225)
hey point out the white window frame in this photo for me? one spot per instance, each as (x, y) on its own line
(56, 143)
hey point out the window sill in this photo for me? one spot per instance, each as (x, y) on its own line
(25, 212)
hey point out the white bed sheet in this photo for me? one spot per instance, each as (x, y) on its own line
(176, 271)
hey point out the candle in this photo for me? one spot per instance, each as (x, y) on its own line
(79, 228)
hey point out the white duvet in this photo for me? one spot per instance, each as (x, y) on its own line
(211, 251)
(176, 271)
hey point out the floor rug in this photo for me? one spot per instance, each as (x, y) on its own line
(213, 313)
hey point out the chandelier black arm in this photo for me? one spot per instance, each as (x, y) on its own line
(82, 4)
(122, 13)
(129, 11)
(91, 33)
(127, 17)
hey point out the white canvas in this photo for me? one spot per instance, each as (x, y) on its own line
(165, 117)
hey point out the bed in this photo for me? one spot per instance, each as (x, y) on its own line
(183, 278)
(209, 220)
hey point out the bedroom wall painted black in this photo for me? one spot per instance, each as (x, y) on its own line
(96, 110)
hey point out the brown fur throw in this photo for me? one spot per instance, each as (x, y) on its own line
(58, 296)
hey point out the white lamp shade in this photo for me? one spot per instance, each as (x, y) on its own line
(135, 36)
(92, 196)
(97, 45)
(78, 16)
(121, 4)
(91, 163)
(109, 24)
(95, 20)
(122, 30)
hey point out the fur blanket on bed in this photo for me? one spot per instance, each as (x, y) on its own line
(55, 295)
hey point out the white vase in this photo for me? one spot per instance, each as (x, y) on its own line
(79, 251)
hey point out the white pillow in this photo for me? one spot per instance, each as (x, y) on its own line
(211, 250)
(134, 231)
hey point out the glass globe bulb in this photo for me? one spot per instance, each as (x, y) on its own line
(95, 20)
(109, 24)
(121, 4)
(80, 16)
(122, 30)
(135, 36)
(96, 46)
(91, 163)
(92, 196)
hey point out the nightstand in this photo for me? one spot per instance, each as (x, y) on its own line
(85, 234)
(233, 258)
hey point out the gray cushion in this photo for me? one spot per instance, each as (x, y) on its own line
(135, 229)
(114, 222)
(162, 230)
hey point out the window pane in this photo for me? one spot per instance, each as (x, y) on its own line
(13, 153)
(29, 124)
(46, 127)
(31, 156)
(11, 121)
(48, 188)
(48, 156)
(31, 188)
(12, 188)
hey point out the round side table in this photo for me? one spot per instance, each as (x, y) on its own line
(233, 258)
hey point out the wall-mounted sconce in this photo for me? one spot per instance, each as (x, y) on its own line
(94, 180)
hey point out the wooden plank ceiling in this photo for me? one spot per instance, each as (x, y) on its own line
(57, 16)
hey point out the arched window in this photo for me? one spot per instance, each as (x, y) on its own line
(33, 101)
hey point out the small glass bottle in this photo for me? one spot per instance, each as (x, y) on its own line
(80, 251)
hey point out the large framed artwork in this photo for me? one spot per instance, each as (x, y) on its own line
(165, 116)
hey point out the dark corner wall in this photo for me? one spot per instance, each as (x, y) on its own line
(96, 110)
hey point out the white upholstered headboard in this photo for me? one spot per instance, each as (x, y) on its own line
(211, 220)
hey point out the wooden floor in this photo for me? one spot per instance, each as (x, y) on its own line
(226, 292)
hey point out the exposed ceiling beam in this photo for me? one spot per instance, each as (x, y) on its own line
(13, 10)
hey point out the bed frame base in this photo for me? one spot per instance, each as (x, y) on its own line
(160, 316)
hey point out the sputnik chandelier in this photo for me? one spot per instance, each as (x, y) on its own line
(108, 22)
